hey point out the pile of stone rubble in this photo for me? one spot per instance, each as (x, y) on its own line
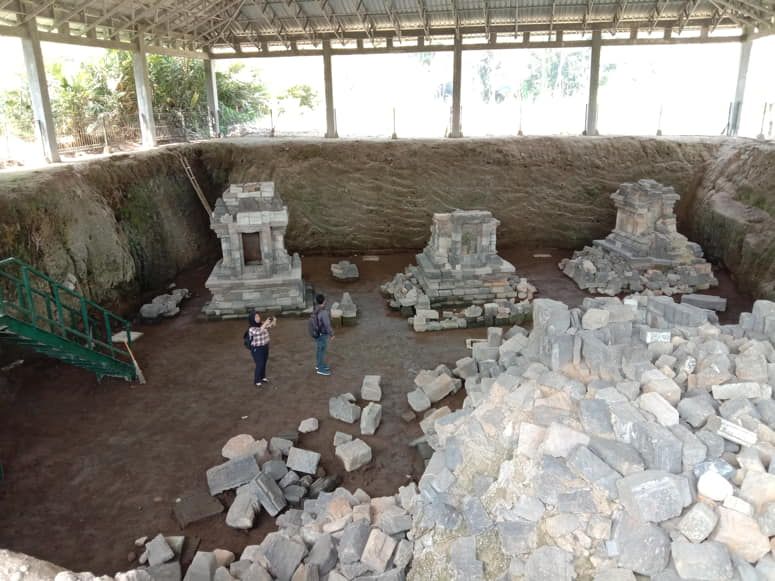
(345, 270)
(644, 251)
(620, 439)
(166, 305)
(405, 294)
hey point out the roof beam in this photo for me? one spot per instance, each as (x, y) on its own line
(751, 17)
(621, 6)
(104, 17)
(37, 12)
(393, 18)
(551, 17)
(297, 13)
(587, 16)
(516, 18)
(368, 28)
(456, 16)
(332, 19)
(278, 28)
(224, 26)
(422, 11)
(486, 10)
(81, 6)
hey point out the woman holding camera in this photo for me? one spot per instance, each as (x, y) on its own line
(258, 333)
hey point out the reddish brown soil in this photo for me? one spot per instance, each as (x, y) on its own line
(91, 466)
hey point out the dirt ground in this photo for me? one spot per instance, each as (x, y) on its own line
(91, 466)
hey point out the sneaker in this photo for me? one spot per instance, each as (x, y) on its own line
(259, 384)
(265, 380)
(323, 371)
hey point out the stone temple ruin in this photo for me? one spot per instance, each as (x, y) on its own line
(255, 271)
(460, 266)
(644, 251)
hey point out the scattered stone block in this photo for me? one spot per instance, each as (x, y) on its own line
(353, 541)
(654, 495)
(341, 408)
(232, 474)
(584, 463)
(370, 419)
(698, 522)
(354, 454)
(158, 551)
(323, 555)
(644, 548)
(731, 431)
(371, 389)
(243, 510)
(345, 270)
(196, 506)
(303, 461)
(741, 535)
(710, 302)
(275, 469)
(595, 319)
(747, 389)
(418, 400)
(758, 488)
(308, 425)
(269, 494)
(378, 551)
(659, 407)
(341, 438)
(202, 568)
(560, 440)
(714, 486)
(549, 563)
(708, 561)
(284, 555)
(237, 446)
(439, 388)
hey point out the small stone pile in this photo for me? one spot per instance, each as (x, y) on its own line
(624, 438)
(267, 475)
(355, 453)
(344, 312)
(345, 270)
(166, 305)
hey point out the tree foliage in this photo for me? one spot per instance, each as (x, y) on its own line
(106, 89)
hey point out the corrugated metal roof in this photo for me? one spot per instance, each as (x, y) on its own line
(215, 24)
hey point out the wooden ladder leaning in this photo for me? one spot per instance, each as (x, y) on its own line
(192, 178)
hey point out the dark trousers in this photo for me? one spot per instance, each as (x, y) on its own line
(260, 356)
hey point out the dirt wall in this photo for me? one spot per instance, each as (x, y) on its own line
(131, 222)
(733, 215)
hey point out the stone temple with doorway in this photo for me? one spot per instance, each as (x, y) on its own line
(645, 251)
(459, 266)
(256, 271)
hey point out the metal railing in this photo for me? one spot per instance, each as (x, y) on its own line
(30, 296)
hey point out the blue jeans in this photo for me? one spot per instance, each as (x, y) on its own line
(321, 344)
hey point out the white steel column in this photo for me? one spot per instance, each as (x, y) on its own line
(211, 87)
(329, 84)
(742, 73)
(594, 82)
(457, 66)
(144, 94)
(41, 103)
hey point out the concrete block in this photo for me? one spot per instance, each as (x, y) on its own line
(654, 495)
(371, 389)
(378, 551)
(354, 454)
(370, 419)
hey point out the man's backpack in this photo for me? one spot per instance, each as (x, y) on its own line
(247, 340)
(313, 325)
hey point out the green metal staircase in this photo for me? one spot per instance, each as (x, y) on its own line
(39, 313)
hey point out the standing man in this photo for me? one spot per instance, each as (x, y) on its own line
(321, 331)
(258, 335)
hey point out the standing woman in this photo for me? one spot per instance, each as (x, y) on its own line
(259, 344)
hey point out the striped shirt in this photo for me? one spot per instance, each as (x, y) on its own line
(259, 336)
